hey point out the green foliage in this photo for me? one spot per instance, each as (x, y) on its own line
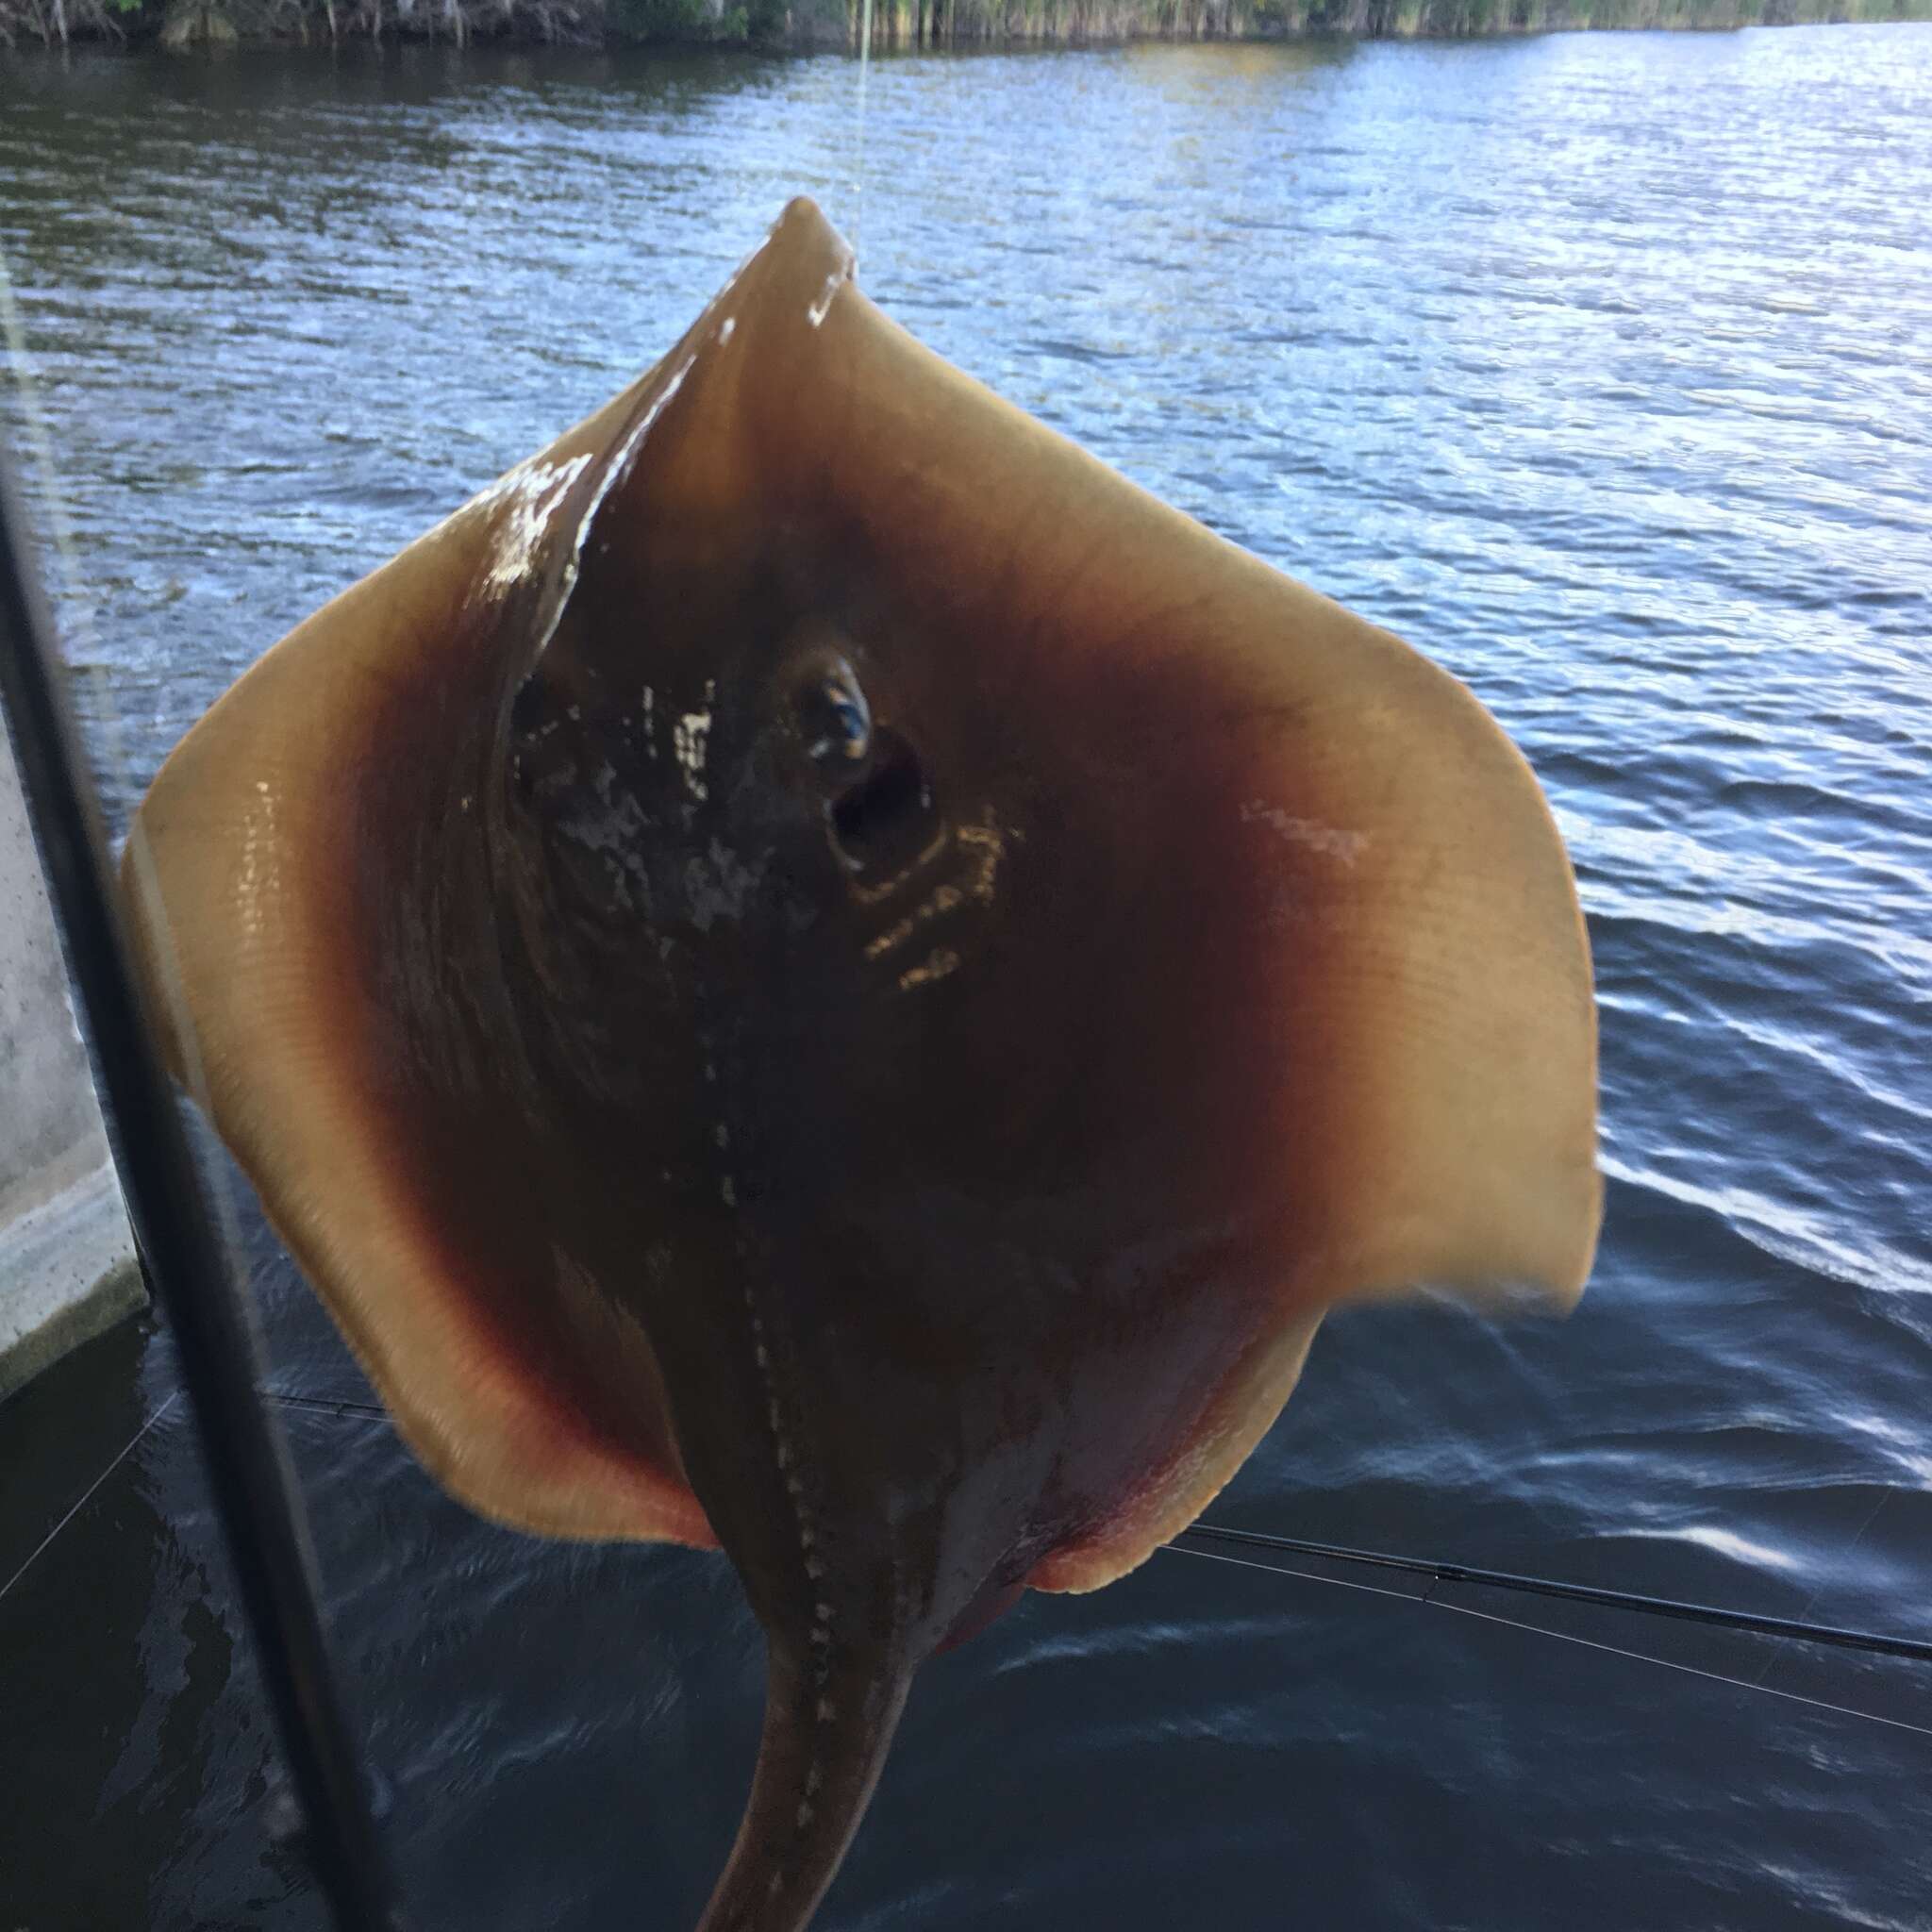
(735, 23)
(732, 22)
(660, 20)
(897, 22)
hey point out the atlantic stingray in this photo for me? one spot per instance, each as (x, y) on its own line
(814, 971)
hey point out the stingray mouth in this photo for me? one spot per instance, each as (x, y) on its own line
(886, 826)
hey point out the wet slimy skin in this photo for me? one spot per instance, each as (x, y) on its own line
(815, 972)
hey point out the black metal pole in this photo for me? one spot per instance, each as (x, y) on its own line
(247, 1461)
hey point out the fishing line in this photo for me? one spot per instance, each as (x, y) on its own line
(127, 1449)
(1431, 1602)
(328, 1405)
(1771, 1662)
(1791, 1628)
(858, 184)
(1871, 1717)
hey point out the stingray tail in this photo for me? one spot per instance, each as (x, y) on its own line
(827, 1729)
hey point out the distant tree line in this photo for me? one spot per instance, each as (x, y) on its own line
(896, 24)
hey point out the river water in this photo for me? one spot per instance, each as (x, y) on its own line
(1598, 366)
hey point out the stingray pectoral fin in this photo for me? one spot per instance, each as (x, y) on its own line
(1213, 1446)
(327, 782)
(1430, 1022)
(1438, 1040)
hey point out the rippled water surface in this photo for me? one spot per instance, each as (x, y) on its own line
(1601, 368)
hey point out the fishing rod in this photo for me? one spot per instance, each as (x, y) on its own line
(247, 1461)
(1791, 1628)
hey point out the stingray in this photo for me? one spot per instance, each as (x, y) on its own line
(815, 972)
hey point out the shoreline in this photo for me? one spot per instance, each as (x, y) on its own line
(787, 26)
